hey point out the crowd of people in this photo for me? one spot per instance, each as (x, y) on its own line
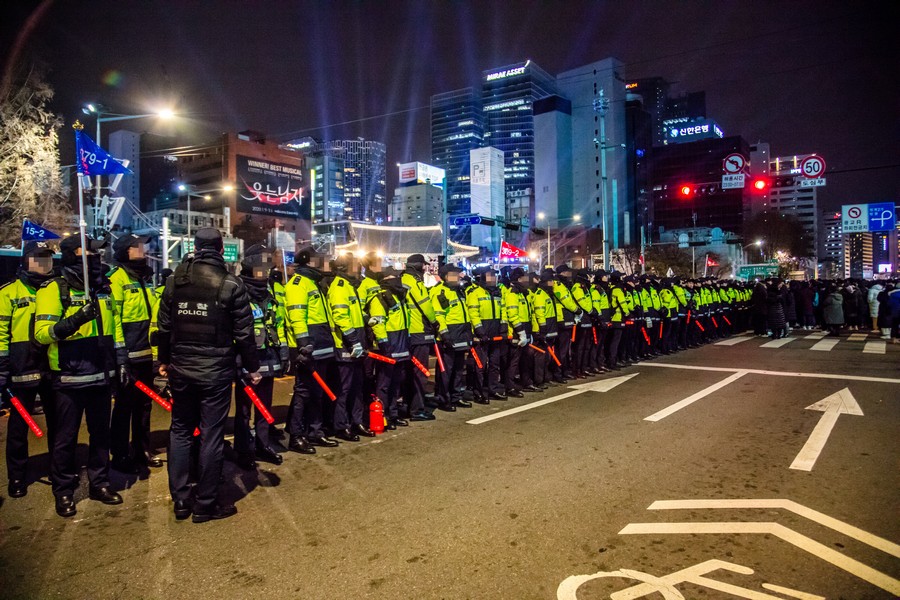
(348, 331)
(854, 304)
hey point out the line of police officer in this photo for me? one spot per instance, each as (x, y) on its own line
(493, 336)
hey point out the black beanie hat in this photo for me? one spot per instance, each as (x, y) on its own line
(208, 238)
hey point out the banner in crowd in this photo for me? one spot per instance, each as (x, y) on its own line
(507, 250)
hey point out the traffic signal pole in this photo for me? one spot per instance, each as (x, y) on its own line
(601, 105)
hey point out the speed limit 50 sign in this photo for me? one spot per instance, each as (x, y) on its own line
(812, 167)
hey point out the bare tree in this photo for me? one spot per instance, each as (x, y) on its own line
(31, 183)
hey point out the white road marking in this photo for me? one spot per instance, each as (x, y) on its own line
(789, 505)
(603, 385)
(734, 340)
(852, 566)
(835, 405)
(857, 337)
(774, 373)
(791, 593)
(817, 335)
(778, 343)
(825, 345)
(658, 416)
(875, 347)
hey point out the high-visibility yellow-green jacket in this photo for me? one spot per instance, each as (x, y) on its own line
(346, 312)
(308, 316)
(621, 305)
(543, 313)
(135, 302)
(454, 324)
(487, 311)
(419, 302)
(581, 294)
(367, 289)
(21, 360)
(565, 313)
(518, 312)
(669, 303)
(600, 303)
(681, 297)
(391, 328)
(270, 335)
(90, 355)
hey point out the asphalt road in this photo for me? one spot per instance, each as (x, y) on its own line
(516, 506)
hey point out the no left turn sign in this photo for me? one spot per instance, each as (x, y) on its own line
(734, 163)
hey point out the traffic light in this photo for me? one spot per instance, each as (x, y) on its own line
(489, 222)
(760, 184)
(685, 191)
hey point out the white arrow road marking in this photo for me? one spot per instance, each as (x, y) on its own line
(798, 509)
(658, 416)
(839, 403)
(775, 373)
(875, 347)
(852, 566)
(603, 385)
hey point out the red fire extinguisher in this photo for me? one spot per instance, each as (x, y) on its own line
(376, 415)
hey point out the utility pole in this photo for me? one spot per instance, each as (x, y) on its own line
(601, 105)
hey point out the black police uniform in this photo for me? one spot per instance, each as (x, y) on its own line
(205, 322)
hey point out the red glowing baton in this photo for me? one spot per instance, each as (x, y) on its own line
(25, 416)
(553, 354)
(726, 320)
(660, 329)
(251, 393)
(689, 316)
(714, 322)
(440, 359)
(499, 338)
(699, 325)
(594, 331)
(536, 349)
(323, 385)
(646, 337)
(421, 367)
(382, 358)
(153, 395)
(573, 333)
(478, 362)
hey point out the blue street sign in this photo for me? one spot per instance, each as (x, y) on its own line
(474, 220)
(882, 216)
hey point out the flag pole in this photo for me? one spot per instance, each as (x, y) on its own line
(82, 225)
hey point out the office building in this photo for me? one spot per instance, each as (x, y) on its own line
(858, 255)
(488, 184)
(418, 204)
(552, 161)
(126, 145)
(326, 177)
(687, 187)
(831, 238)
(457, 127)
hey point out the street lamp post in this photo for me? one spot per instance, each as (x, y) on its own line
(541, 215)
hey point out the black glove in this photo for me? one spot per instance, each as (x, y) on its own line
(448, 345)
(68, 326)
(304, 352)
(284, 357)
(124, 376)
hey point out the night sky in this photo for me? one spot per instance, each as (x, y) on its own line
(805, 76)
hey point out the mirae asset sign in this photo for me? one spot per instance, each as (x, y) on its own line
(505, 73)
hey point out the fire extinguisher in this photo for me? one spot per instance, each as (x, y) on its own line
(376, 415)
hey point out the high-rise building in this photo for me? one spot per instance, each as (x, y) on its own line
(654, 93)
(487, 182)
(858, 255)
(457, 127)
(552, 160)
(583, 86)
(415, 205)
(831, 238)
(364, 178)
(124, 144)
(326, 180)
(788, 196)
(508, 97)
(687, 187)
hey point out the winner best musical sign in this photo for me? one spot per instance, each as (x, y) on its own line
(268, 188)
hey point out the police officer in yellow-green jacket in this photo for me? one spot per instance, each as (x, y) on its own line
(455, 330)
(23, 369)
(487, 311)
(368, 287)
(389, 318)
(422, 329)
(85, 350)
(131, 285)
(309, 324)
(350, 408)
(518, 321)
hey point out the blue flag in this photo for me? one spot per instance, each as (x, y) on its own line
(91, 159)
(33, 232)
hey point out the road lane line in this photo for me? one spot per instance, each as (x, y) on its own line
(734, 340)
(778, 343)
(858, 337)
(774, 373)
(875, 347)
(523, 408)
(817, 335)
(789, 505)
(854, 567)
(825, 345)
(658, 416)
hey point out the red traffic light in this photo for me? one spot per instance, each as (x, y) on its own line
(685, 191)
(760, 184)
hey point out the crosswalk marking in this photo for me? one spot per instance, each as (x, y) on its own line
(734, 340)
(817, 335)
(858, 337)
(875, 347)
(778, 343)
(825, 345)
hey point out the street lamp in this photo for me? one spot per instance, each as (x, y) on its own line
(757, 243)
(541, 215)
(204, 194)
